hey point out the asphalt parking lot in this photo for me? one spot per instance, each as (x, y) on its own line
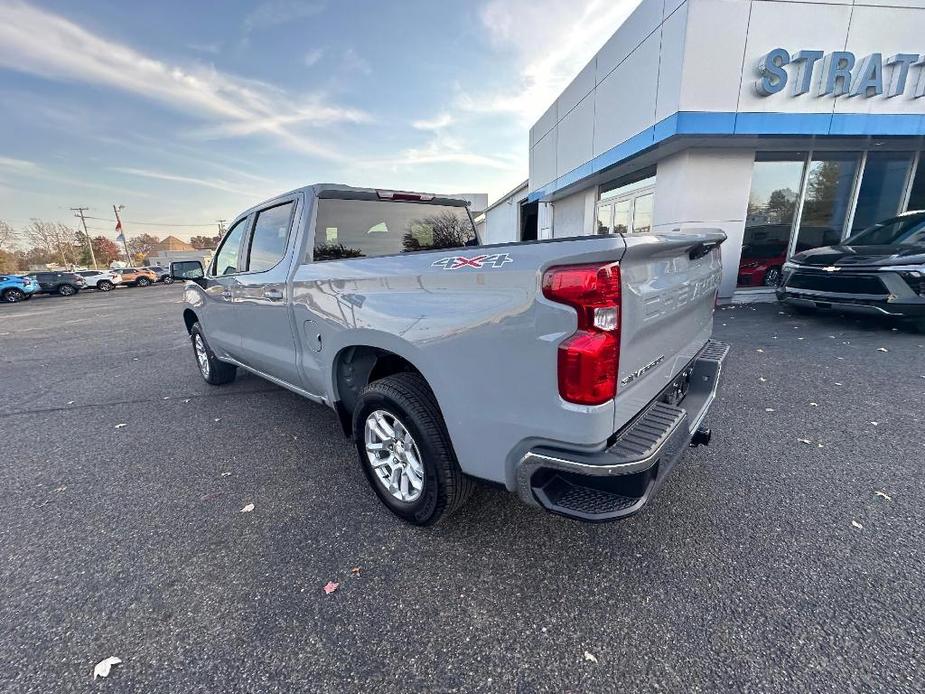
(767, 563)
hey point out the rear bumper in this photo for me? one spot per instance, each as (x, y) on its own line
(619, 480)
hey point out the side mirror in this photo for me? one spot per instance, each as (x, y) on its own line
(187, 270)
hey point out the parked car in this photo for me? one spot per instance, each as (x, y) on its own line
(163, 273)
(136, 276)
(15, 288)
(104, 280)
(880, 270)
(63, 283)
(574, 372)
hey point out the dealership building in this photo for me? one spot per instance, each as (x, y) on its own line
(788, 125)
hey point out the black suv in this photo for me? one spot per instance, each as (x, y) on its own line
(880, 270)
(63, 283)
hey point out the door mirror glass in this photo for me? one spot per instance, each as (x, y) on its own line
(186, 270)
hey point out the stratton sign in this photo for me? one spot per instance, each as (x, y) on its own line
(839, 73)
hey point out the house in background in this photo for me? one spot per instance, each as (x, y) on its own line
(172, 250)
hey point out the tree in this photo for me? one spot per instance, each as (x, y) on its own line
(56, 242)
(105, 250)
(8, 235)
(204, 242)
(444, 230)
(141, 245)
(8, 262)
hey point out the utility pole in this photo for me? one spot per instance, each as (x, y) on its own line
(80, 213)
(122, 233)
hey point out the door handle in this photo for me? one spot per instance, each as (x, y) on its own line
(273, 294)
(226, 294)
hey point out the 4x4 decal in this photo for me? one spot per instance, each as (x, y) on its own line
(455, 262)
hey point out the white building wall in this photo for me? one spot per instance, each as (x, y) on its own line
(502, 219)
(700, 188)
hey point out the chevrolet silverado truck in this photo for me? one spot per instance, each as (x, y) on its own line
(573, 372)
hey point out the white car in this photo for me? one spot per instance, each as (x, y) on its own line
(103, 280)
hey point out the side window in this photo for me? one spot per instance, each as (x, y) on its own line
(268, 242)
(226, 260)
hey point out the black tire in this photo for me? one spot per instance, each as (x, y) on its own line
(67, 290)
(218, 372)
(167, 279)
(143, 282)
(13, 295)
(772, 277)
(409, 398)
(105, 286)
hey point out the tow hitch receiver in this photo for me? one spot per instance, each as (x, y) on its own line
(701, 437)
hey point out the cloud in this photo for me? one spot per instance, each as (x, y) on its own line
(446, 149)
(275, 12)
(352, 61)
(41, 43)
(18, 165)
(437, 123)
(313, 56)
(214, 183)
(551, 42)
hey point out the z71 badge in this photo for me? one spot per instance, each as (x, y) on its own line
(455, 262)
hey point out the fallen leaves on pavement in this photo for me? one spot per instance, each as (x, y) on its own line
(330, 587)
(590, 657)
(857, 525)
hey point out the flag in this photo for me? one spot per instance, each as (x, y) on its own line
(121, 237)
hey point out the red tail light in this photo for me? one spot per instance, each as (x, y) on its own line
(588, 360)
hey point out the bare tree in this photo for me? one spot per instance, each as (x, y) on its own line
(8, 236)
(56, 240)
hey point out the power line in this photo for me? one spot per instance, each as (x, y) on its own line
(152, 224)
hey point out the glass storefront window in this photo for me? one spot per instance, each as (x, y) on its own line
(642, 214)
(917, 194)
(604, 213)
(772, 203)
(827, 200)
(621, 216)
(882, 187)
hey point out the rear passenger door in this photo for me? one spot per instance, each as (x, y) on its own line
(262, 303)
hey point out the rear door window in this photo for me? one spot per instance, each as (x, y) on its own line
(226, 260)
(271, 234)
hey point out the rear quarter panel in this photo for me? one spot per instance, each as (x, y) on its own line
(484, 338)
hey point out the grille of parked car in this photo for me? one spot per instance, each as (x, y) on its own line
(836, 282)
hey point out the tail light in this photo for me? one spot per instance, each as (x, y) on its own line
(588, 360)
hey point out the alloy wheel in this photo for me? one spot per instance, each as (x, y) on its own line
(394, 456)
(201, 356)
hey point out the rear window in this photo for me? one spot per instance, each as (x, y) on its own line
(370, 228)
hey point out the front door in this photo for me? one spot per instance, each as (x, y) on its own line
(219, 318)
(262, 304)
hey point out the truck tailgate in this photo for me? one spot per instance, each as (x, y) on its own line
(669, 284)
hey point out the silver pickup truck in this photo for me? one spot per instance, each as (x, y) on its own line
(573, 372)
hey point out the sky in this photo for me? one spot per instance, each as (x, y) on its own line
(189, 112)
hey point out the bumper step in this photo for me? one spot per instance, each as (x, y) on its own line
(618, 481)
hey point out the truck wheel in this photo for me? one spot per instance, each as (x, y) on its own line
(405, 450)
(213, 371)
